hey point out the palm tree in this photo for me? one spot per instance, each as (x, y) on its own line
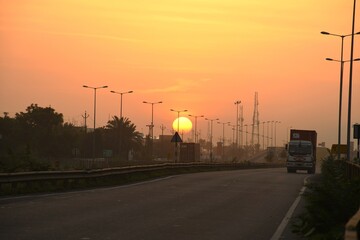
(122, 136)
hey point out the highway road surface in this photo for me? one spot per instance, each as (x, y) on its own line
(241, 204)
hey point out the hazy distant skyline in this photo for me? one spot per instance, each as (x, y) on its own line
(199, 55)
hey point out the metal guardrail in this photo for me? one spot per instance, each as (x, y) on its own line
(352, 170)
(352, 228)
(11, 180)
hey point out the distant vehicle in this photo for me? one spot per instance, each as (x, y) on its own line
(301, 151)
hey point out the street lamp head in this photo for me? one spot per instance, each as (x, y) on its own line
(130, 91)
(329, 59)
(85, 86)
(104, 86)
(325, 33)
(145, 102)
(160, 102)
(112, 91)
(357, 59)
(357, 33)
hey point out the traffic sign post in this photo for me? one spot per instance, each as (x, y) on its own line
(357, 136)
(176, 138)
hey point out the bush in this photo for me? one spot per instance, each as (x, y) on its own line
(330, 203)
(22, 163)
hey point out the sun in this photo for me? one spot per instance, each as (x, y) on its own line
(185, 125)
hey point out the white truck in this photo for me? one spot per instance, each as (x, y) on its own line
(301, 151)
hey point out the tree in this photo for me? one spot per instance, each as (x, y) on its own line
(121, 136)
(39, 128)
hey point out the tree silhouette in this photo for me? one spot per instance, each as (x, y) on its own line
(122, 137)
(40, 127)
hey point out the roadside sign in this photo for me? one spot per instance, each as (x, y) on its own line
(357, 131)
(176, 138)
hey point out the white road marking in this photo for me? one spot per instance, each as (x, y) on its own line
(279, 231)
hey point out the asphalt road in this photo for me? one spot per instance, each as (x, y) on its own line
(242, 204)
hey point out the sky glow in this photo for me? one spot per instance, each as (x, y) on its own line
(200, 55)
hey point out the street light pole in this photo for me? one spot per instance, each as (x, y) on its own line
(195, 138)
(267, 133)
(211, 135)
(178, 118)
(121, 95)
(151, 127)
(275, 130)
(152, 117)
(350, 84)
(264, 135)
(233, 128)
(178, 129)
(237, 122)
(95, 88)
(341, 81)
(223, 141)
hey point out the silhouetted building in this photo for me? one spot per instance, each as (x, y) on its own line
(189, 152)
(163, 147)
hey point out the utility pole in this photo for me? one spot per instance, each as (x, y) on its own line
(162, 127)
(85, 116)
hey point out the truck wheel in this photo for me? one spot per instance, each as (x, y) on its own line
(291, 170)
(311, 171)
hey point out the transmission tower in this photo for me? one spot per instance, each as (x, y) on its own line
(255, 126)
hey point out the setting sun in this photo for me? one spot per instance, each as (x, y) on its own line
(183, 123)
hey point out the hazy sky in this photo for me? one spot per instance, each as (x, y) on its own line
(199, 55)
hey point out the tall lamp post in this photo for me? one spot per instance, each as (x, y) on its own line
(272, 133)
(340, 98)
(152, 117)
(178, 129)
(350, 83)
(151, 127)
(267, 133)
(341, 81)
(223, 141)
(121, 95)
(263, 135)
(237, 122)
(246, 132)
(178, 120)
(120, 119)
(95, 88)
(211, 135)
(275, 130)
(196, 135)
(233, 128)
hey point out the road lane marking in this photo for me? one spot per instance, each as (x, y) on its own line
(290, 212)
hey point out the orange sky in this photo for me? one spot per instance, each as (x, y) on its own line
(199, 55)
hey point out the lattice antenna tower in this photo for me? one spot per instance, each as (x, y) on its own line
(255, 136)
(241, 125)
